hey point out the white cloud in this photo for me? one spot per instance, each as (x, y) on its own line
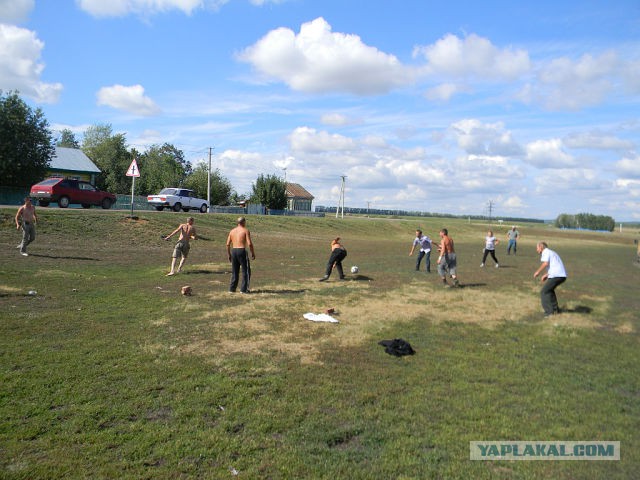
(513, 203)
(339, 120)
(119, 8)
(260, 3)
(629, 188)
(305, 139)
(569, 181)
(15, 11)
(442, 92)
(548, 154)
(630, 76)
(20, 66)
(572, 85)
(129, 99)
(473, 56)
(597, 141)
(629, 167)
(478, 138)
(318, 61)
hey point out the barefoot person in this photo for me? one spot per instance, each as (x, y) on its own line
(26, 219)
(181, 250)
(240, 238)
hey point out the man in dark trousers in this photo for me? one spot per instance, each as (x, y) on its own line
(556, 274)
(26, 219)
(240, 239)
(338, 253)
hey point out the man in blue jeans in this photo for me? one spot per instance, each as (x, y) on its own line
(512, 235)
(425, 250)
(556, 274)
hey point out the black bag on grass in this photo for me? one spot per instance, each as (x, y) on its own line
(397, 347)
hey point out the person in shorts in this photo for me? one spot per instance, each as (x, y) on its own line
(181, 249)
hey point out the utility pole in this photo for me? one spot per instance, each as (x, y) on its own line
(209, 181)
(490, 208)
(341, 201)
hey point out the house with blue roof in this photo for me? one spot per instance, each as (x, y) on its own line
(72, 163)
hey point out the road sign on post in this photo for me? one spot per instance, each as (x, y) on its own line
(133, 169)
(133, 172)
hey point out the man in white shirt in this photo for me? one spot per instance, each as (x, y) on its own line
(556, 274)
(424, 242)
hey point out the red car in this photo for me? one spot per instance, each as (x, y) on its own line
(64, 191)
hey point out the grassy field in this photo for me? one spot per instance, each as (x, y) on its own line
(109, 372)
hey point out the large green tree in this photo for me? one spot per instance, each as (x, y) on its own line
(587, 221)
(162, 166)
(270, 191)
(109, 152)
(67, 139)
(26, 144)
(221, 189)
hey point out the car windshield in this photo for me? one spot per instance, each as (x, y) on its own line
(167, 191)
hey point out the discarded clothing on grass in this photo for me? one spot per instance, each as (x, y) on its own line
(397, 347)
(320, 317)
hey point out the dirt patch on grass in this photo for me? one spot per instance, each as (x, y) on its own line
(134, 220)
(273, 322)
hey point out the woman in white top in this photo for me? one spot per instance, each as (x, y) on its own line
(490, 243)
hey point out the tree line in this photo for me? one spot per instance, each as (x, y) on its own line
(587, 221)
(27, 146)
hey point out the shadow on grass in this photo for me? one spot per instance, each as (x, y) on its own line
(579, 309)
(280, 292)
(472, 285)
(359, 278)
(64, 257)
(203, 272)
(6, 295)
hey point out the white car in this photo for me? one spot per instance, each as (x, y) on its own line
(177, 199)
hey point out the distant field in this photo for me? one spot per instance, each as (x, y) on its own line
(108, 372)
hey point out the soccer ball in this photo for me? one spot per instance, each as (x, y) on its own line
(354, 269)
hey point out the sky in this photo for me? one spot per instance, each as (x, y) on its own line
(519, 109)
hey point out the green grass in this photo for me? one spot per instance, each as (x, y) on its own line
(108, 372)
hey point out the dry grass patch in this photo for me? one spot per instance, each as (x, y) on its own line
(272, 322)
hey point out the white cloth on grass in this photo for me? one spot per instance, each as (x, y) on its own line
(320, 317)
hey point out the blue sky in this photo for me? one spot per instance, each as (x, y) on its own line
(431, 106)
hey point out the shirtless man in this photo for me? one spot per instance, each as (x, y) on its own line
(447, 259)
(26, 219)
(181, 250)
(240, 238)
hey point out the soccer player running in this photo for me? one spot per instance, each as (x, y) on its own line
(181, 250)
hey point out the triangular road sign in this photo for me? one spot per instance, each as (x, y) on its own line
(133, 169)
